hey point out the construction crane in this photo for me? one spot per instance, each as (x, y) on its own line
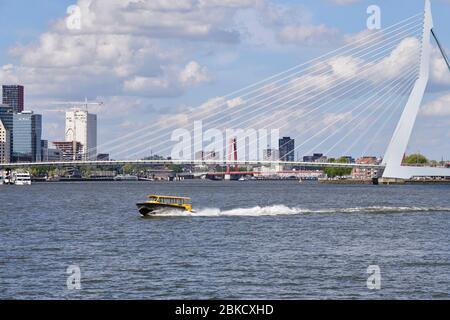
(75, 104)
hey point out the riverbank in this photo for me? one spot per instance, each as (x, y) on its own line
(380, 181)
(385, 181)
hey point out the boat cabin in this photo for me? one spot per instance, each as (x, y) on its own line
(169, 199)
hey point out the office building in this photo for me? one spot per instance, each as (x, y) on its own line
(44, 150)
(81, 126)
(27, 137)
(316, 157)
(286, 147)
(6, 116)
(53, 155)
(13, 96)
(206, 155)
(5, 140)
(271, 155)
(69, 150)
(103, 157)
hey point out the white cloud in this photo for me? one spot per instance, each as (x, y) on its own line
(364, 38)
(401, 58)
(271, 25)
(333, 71)
(345, 66)
(146, 47)
(235, 102)
(307, 34)
(334, 119)
(440, 75)
(172, 84)
(7, 74)
(438, 107)
(193, 74)
(125, 46)
(195, 19)
(146, 85)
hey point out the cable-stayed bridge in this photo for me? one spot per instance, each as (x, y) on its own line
(342, 101)
(191, 162)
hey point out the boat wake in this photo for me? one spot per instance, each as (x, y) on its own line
(278, 210)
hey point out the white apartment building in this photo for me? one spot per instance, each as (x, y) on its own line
(271, 155)
(81, 126)
(5, 149)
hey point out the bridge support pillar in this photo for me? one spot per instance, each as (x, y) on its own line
(391, 181)
(393, 157)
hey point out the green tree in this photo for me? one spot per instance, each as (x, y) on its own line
(332, 172)
(129, 168)
(415, 158)
(87, 171)
(434, 163)
(176, 168)
(38, 171)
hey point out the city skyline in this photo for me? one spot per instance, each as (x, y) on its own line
(168, 86)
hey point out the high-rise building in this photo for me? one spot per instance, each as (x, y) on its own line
(206, 155)
(69, 150)
(103, 157)
(286, 147)
(6, 116)
(314, 158)
(27, 137)
(81, 126)
(50, 154)
(5, 140)
(13, 96)
(53, 155)
(271, 155)
(44, 150)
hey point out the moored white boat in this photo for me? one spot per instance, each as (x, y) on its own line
(126, 177)
(21, 178)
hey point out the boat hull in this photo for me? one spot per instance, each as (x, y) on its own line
(22, 183)
(149, 209)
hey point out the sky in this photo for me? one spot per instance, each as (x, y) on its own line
(154, 60)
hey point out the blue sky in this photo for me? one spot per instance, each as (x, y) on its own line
(234, 54)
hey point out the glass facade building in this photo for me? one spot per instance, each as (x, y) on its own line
(13, 96)
(286, 147)
(6, 115)
(27, 137)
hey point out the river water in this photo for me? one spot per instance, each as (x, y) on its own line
(252, 239)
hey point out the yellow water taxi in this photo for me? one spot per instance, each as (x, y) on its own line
(157, 204)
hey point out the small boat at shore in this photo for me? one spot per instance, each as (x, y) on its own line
(160, 204)
(22, 178)
(126, 177)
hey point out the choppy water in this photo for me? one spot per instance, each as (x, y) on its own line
(279, 240)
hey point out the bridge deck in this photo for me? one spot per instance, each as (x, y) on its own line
(185, 162)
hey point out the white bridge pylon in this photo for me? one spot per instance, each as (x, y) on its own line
(399, 142)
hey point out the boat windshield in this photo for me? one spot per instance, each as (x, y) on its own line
(168, 199)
